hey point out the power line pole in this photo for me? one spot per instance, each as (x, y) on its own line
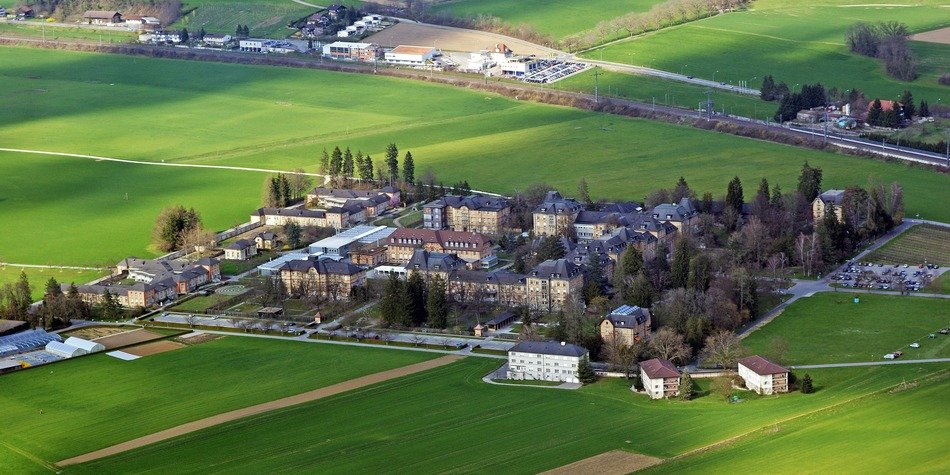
(708, 104)
(596, 86)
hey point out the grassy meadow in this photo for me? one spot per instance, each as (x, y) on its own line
(234, 115)
(830, 328)
(266, 19)
(77, 406)
(38, 276)
(797, 43)
(555, 18)
(39, 30)
(919, 244)
(448, 420)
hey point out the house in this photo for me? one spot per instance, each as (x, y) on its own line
(555, 214)
(411, 55)
(161, 37)
(831, 199)
(282, 216)
(215, 39)
(887, 105)
(545, 361)
(520, 66)
(501, 53)
(267, 241)
(256, 45)
(627, 324)
(240, 250)
(503, 287)
(165, 274)
(150, 20)
(347, 51)
(102, 17)
(660, 378)
(552, 284)
(682, 215)
(329, 197)
(24, 11)
(468, 246)
(336, 11)
(324, 278)
(467, 213)
(763, 376)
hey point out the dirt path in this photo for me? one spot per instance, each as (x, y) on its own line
(260, 408)
(616, 462)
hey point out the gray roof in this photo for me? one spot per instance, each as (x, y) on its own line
(476, 202)
(628, 316)
(424, 260)
(502, 317)
(554, 203)
(322, 266)
(832, 196)
(556, 268)
(241, 244)
(549, 348)
(302, 213)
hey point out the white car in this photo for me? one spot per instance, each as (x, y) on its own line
(915, 345)
(889, 356)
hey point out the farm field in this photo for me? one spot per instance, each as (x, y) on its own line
(266, 19)
(93, 402)
(919, 244)
(464, 421)
(281, 118)
(830, 328)
(36, 30)
(799, 43)
(39, 277)
(556, 18)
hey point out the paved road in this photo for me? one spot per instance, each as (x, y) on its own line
(871, 363)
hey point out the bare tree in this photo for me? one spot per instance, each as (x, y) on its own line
(778, 349)
(723, 349)
(669, 345)
(619, 356)
(198, 240)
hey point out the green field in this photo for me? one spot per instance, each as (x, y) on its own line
(830, 328)
(265, 19)
(919, 244)
(796, 43)
(234, 115)
(448, 420)
(52, 33)
(556, 18)
(82, 405)
(39, 277)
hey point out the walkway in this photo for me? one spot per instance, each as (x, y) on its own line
(261, 408)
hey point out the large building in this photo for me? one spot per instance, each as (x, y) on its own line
(100, 17)
(467, 213)
(831, 199)
(330, 197)
(468, 246)
(338, 246)
(324, 278)
(411, 55)
(555, 214)
(545, 361)
(682, 215)
(347, 51)
(501, 287)
(552, 284)
(660, 378)
(282, 216)
(763, 376)
(627, 324)
(431, 264)
(240, 250)
(157, 281)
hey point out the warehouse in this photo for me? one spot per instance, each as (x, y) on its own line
(411, 55)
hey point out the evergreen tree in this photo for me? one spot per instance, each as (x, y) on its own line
(734, 198)
(293, 234)
(111, 310)
(408, 169)
(585, 372)
(907, 104)
(550, 248)
(681, 191)
(184, 35)
(392, 161)
(336, 162)
(789, 107)
(807, 385)
(640, 292)
(924, 109)
(367, 171)
(809, 182)
(238, 32)
(679, 269)
(874, 114)
(583, 192)
(767, 91)
(358, 164)
(594, 280)
(780, 91)
(53, 289)
(285, 195)
(392, 305)
(890, 118)
(631, 263)
(348, 163)
(325, 162)
(686, 386)
(437, 305)
(416, 299)
(201, 34)
(700, 273)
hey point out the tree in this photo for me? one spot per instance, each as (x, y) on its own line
(723, 349)
(184, 35)
(366, 171)
(809, 182)
(170, 224)
(778, 349)
(239, 32)
(924, 109)
(583, 192)
(594, 280)
(631, 261)
(790, 105)
(201, 34)
(767, 91)
(640, 292)
(585, 372)
(293, 233)
(198, 239)
(300, 183)
(437, 305)
(907, 104)
(874, 114)
(682, 190)
(734, 197)
(392, 305)
(807, 385)
(348, 163)
(619, 356)
(336, 162)
(416, 299)
(669, 345)
(700, 273)
(325, 162)
(550, 248)
(686, 386)
(408, 169)
(722, 385)
(679, 269)
(392, 161)
(109, 305)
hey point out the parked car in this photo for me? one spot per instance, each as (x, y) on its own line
(915, 345)
(897, 354)
(889, 356)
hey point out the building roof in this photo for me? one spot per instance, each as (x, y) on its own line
(832, 196)
(101, 14)
(557, 269)
(7, 325)
(297, 212)
(501, 318)
(363, 233)
(554, 203)
(659, 368)
(761, 366)
(351, 45)
(628, 316)
(86, 345)
(240, 244)
(407, 49)
(322, 266)
(549, 348)
(674, 211)
(886, 105)
(448, 239)
(267, 236)
(473, 202)
(425, 261)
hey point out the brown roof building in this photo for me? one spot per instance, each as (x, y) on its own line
(469, 246)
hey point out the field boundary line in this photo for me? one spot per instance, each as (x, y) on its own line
(923, 378)
(256, 409)
(30, 456)
(41, 266)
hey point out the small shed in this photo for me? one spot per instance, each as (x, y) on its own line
(270, 312)
(500, 321)
(86, 345)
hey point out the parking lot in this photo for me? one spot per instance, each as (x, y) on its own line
(880, 276)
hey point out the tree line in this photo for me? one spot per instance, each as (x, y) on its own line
(414, 303)
(887, 41)
(57, 310)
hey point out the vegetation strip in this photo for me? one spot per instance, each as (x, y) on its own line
(261, 408)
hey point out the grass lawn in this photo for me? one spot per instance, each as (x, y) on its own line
(206, 115)
(53, 33)
(556, 18)
(97, 401)
(265, 19)
(919, 244)
(39, 277)
(830, 328)
(200, 303)
(229, 267)
(941, 285)
(801, 42)
(463, 421)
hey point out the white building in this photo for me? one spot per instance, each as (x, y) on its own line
(545, 361)
(85, 345)
(337, 246)
(519, 66)
(214, 39)
(346, 51)
(240, 250)
(411, 55)
(763, 376)
(660, 378)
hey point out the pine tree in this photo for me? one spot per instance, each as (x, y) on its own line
(679, 269)
(367, 171)
(392, 305)
(416, 299)
(437, 305)
(325, 162)
(807, 385)
(700, 273)
(285, 195)
(348, 163)
(907, 104)
(809, 182)
(184, 35)
(874, 114)
(640, 292)
(734, 198)
(767, 91)
(682, 190)
(336, 162)
(392, 161)
(686, 386)
(111, 310)
(594, 280)
(358, 164)
(408, 169)
(924, 109)
(585, 372)
(583, 192)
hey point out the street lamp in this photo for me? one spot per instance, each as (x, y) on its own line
(714, 75)
(682, 69)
